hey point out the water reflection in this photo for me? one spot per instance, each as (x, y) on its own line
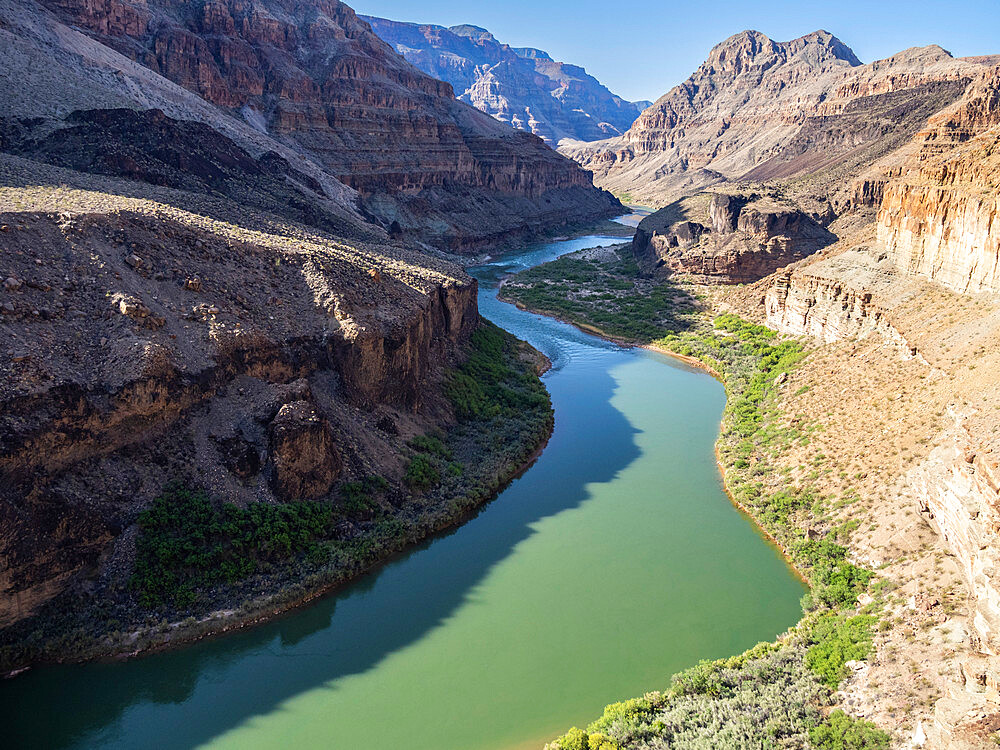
(614, 561)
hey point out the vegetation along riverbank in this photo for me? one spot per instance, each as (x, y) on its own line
(202, 566)
(783, 692)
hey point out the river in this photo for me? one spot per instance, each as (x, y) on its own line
(613, 562)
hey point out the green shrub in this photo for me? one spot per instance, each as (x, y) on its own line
(843, 732)
(577, 739)
(766, 697)
(837, 639)
(429, 444)
(188, 543)
(487, 385)
(421, 474)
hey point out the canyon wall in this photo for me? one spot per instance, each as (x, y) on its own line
(940, 218)
(248, 363)
(525, 88)
(317, 80)
(759, 110)
(957, 490)
(208, 215)
(924, 277)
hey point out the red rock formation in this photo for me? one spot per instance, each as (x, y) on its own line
(940, 218)
(321, 79)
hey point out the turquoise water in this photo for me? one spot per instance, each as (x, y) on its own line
(613, 562)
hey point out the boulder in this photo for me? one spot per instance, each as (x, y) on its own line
(305, 461)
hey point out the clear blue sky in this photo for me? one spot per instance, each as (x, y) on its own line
(641, 48)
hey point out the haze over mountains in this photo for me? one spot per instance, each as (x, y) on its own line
(524, 87)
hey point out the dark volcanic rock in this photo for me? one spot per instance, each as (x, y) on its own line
(153, 148)
(304, 458)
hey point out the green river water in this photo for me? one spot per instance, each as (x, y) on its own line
(615, 561)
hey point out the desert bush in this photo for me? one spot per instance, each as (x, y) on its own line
(843, 732)
(188, 543)
(837, 639)
(421, 474)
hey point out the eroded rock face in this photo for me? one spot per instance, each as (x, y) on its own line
(941, 217)
(757, 110)
(525, 88)
(92, 427)
(724, 212)
(744, 244)
(317, 76)
(304, 456)
(830, 301)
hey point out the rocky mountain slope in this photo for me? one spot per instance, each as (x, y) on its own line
(757, 109)
(523, 87)
(317, 82)
(213, 220)
(898, 307)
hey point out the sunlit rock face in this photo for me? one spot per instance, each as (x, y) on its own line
(941, 218)
(316, 76)
(759, 110)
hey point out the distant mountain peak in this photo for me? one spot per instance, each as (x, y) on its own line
(523, 87)
(530, 53)
(750, 48)
(476, 33)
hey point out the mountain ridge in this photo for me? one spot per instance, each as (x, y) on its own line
(524, 87)
(749, 101)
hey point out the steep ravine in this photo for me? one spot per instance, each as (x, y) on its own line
(330, 673)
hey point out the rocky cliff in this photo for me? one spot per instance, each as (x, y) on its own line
(208, 223)
(143, 341)
(741, 241)
(939, 217)
(317, 79)
(911, 297)
(525, 88)
(758, 110)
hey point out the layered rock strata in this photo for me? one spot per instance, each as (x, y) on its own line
(525, 88)
(317, 79)
(145, 343)
(758, 110)
(743, 241)
(940, 218)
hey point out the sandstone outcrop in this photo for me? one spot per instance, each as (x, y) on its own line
(303, 452)
(745, 240)
(525, 88)
(760, 110)
(941, 217)
(918, 286)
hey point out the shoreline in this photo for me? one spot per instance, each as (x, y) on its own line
(224, 622)
(699, 365)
